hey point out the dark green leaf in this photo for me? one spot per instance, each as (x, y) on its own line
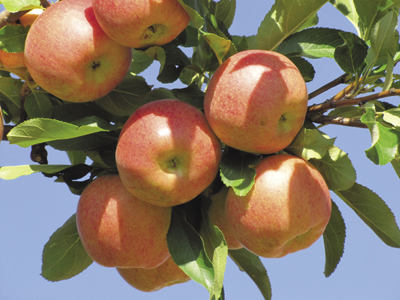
(284, 19)
(9, 97)
(12, 38)
(312, 43)
(252, 265)
(84, 143)
(224, 10)
(337, 169)
(187, 250)
(196, 11)
(191, 94)
(140, 62)
(38, 105)
(374, 212)
(237, 172)
(350, 56)
(306, 69)
(63, 255)
(334, 238)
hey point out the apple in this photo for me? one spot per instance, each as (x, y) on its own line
(256, 101)
(151, 280)
(15, 60)
(119, 230)
(166, 153)
(286, 210)
(217, 215)
(69, 55)
(140, 24)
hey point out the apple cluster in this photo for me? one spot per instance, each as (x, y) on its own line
(169, 152)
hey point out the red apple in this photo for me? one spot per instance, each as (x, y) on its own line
(15, 60)
(119, 230)
(140, 24)
(256, 101)
(151, 280)
(217, 215)
(166, 153)
(70, 56)
(287, 209)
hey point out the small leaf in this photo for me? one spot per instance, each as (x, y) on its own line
(224, 10)
(237, 171)
(17, 5)
(38, 105)
(216, 247)
(284, 19)
(218, 44)
(396, 164)
(196, 10)
(334, 238)
(12, 38)
(63, 255)
(392, 116)
(306, 69)
(350, 56)
(310, 143)
(13, 172)
(42, 130)
(385, 140)
(140, 62)
(187, 250)
(337, 169)
(374, 212)
(10, 98)
(252, 265)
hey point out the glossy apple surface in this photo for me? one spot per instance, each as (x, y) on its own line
(119, 230)
(70, 56)
(151, 280)
(287, 209)
(140, 24)
(166, 153)
(256, 101)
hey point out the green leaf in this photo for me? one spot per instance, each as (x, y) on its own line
(63, 255)
(187, 250)
(9, 97)
(374, 212)
(140, 62)
(253, 266)
(334, 237)
(350, 56)
(347, 112)
(385, 140)
(221, 46)
(392, 116)
(126, 97)
(310, 143)
(36, 131)
(216, 247)
(306, 69)
(224, 10)
(384, 38)
(38, 105)
(237, 172)
(312, 43)
(12, 38)
(196, 11)
(12, 172)
(284, 19)
(337, 169)
(17, 5)
(396, 164)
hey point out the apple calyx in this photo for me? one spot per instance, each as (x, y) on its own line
(153, 32)
(95, 65)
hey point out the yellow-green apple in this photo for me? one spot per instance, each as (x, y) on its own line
(166, 153)
(151, 280)
(15, 60)
(286, 210)
(140, 24)
(217, 215)
(256, 101)
(119, 230)
(69, 55)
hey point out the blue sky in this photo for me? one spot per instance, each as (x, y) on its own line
(33, 207)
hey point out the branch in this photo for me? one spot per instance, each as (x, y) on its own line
(332, 103)
(340, 80)
(325, 120)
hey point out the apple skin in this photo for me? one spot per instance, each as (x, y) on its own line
(119, 230)
(256, 101)
(12, 60)
(287, 209)
(140, 24)
(151, 280)
(217, 215)
(166, 153)
(70, 56)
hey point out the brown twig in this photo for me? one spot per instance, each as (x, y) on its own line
(323, 119)
(7, 129)
(340, 80)
(330, 104)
